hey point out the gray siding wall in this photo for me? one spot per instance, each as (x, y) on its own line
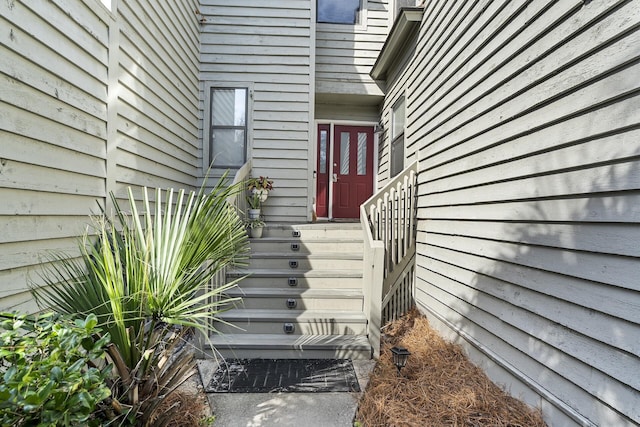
(344, 55)
(156, 128)
(53, 114)
(525, 116)
(399, 78)
(90, 101)
(267, 45)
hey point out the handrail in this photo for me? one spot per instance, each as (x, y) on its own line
(389, 222)
(238, 199)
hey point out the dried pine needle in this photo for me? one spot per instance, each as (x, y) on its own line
(439, 386)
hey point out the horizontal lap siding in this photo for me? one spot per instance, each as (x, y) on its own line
(525, 119)
(157, 120)
(62, 107)
(53, 94)
(398, 81)
(267, 44)
(344, 57)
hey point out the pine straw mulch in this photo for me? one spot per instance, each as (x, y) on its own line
(439, 386)
(193, 408)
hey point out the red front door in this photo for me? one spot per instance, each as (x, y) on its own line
(352, 169)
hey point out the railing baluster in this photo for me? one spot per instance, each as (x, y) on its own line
(389, 218)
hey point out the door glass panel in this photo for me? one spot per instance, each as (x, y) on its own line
(344, 153)
(362, 153)
(323, 152)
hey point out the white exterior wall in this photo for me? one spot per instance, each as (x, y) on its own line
(268, 47)
(91, 100)
(526, 119)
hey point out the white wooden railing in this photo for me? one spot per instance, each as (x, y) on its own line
(239, 200)
(389, 222)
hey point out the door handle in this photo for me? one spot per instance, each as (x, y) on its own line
(335, 177)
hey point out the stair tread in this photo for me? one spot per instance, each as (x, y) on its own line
(280, 340)
(301, 292)
(280, 239)
(296, 272)
(255, 314)
(355, 255)
(355, 225)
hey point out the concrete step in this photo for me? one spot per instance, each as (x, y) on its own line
(306, 246)
(297, 278)
(312, 322)
(272, 346)
(315, 231)
(300, 261)
(299, 299)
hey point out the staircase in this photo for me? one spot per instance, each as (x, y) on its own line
(303, 298)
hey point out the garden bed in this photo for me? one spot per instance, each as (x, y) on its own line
(439, 386)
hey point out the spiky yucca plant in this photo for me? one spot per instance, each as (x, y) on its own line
(146, 276)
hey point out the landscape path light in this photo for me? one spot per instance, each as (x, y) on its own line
(400, 356)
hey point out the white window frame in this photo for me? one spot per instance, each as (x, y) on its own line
(206, 130)
(346, 28)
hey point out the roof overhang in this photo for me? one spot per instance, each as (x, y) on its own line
(404, 27)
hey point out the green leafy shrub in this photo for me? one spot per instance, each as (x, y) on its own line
(49, 372)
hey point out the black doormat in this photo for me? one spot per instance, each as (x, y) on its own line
(284, 375)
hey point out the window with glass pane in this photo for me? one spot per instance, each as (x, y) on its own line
(344, 153)
(340, 11)
(397, 137)
(228, 133)
(397, 118)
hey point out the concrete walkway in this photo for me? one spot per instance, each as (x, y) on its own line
(285, 409)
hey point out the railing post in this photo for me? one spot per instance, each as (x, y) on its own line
(388, 220)
(373, 278)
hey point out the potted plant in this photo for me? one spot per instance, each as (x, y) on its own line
(255, 204)
(260, 186)
(254, 227)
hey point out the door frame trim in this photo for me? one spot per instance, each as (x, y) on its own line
(332, 124)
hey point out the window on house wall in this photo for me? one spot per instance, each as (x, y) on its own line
(397, 137)
(340, 11)
(228, 127)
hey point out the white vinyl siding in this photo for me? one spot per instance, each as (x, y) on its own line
(269, 46)
(92, 100)
(526, 121)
